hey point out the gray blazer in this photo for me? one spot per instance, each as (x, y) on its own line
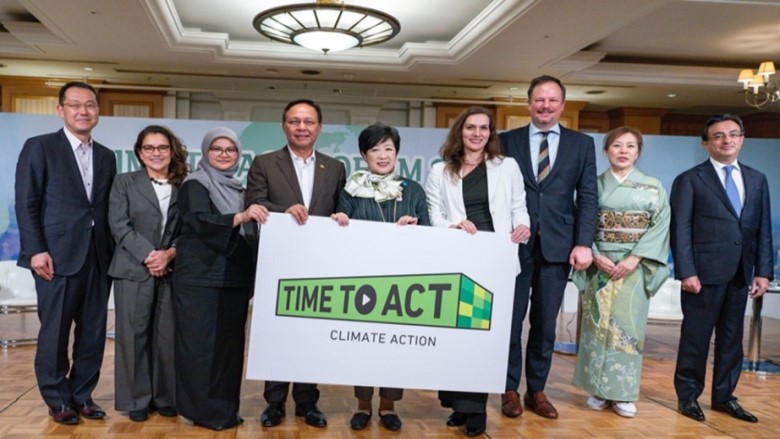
(272, 182)
(135, 219)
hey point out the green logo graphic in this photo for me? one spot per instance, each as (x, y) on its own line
(440, 300)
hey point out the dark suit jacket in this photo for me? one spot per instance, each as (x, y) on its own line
(52, 208)
(136, 222)
(708, 239)
(272, 182)
(551, 205)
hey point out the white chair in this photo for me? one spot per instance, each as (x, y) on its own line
(665, 305)
(17, 296)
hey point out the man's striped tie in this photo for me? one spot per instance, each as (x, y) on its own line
(544, 159)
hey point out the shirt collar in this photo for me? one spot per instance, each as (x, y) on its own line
(555, 129)
(718, 165)
(73, 140)
(306, 161)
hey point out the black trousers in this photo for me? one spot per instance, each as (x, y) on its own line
(303, 393)
(464, 402)
(80, 300)
(720, 308)
(547, 280)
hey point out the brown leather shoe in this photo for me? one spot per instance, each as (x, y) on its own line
(510, 404)
(89, 410)
(538, 402)
(64, 414)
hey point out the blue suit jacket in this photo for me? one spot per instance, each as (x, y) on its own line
(560, 222)
(52, 208)
(708, 239)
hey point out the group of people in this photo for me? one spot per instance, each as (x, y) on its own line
(180, 332)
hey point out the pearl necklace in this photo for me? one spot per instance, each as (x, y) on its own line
(158, 182)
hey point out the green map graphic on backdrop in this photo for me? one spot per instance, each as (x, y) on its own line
(450, 300)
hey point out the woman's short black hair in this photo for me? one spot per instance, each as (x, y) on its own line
(377, 133)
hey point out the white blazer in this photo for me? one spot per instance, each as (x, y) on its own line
(506, 197)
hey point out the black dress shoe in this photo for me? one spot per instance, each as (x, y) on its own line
(272, 415)
(456, 419)
(239, 420)
(64, 414)
(138, 415)
(733, 408)
(168, 411)
(475, 424)
(691, 409)
(390, 421)
(312, 415)
(359, 420)
(88, 409)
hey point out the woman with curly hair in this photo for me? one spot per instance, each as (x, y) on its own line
(144, 220)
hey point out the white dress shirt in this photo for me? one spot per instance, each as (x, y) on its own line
(736, 175)
(304, 170)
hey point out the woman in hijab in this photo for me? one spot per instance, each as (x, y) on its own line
(213, 281)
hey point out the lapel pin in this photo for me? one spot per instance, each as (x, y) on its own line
(322, 166)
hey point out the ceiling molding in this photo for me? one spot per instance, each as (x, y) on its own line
(32, 33)
(490, 22)
(10, 44)
(493, 20)
(577, 62)
(51, 32)
(659, 74)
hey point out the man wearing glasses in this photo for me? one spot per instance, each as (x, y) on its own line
(62, 185)
(299, 181)
(721, 241)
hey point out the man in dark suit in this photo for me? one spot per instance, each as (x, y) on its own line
(62, 185)
(722, 248)
(300, 181)
(559, 173)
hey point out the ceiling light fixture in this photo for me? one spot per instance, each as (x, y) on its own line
(326, 25)
(760, 92)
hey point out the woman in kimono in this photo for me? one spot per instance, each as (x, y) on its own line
(213, 281)
(476, 188)
(630, 251)
(379, 194)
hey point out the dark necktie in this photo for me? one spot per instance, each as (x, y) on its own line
(544, 158)
(731, 190)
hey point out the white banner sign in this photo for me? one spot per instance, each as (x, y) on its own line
(379, 304)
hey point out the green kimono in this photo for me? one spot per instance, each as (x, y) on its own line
(633, 220)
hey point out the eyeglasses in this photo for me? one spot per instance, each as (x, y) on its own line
(719, 137)
(308, 123)
(76, 106)
(230, 152)
(148, 149)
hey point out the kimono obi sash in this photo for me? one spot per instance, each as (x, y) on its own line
(622, 227)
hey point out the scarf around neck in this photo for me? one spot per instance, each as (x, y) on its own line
(364, 184)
